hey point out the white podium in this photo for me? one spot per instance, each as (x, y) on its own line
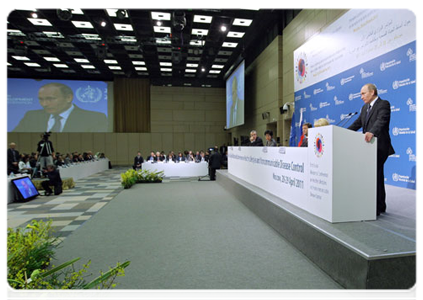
(333, 178)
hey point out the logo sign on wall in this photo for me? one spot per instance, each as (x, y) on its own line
(319, 145)
(363, 46)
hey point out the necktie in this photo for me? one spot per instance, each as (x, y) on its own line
(57, 124)
(369, 109)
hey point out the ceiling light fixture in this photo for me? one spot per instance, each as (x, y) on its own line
(159, 23)
(103, 24)
(34, 15)
(223, 28)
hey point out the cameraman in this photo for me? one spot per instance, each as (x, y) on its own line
(45, 151)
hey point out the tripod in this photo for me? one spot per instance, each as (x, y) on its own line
(39, 156)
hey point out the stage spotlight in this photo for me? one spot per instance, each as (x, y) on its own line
(64, 14)
(179, 21)
(121, 14)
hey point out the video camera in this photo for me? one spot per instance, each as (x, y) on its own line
(46, 135)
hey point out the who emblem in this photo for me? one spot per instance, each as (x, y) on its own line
(89, 94)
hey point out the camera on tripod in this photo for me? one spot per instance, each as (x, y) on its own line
(46, 135)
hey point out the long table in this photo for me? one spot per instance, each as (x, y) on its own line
(84, 169)
(190, 169)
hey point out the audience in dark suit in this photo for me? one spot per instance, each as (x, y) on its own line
(12, 159)
(138, 160)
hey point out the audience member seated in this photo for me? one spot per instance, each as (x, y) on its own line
(270, 142)
(59, 161)
(138, 160)
(24, 166)
(304, 139)
(180, 157)
(152, 157)
(170, 158)
(190, 156)
(162, 156)
(159, 157)
(54, 179)
(255, 140)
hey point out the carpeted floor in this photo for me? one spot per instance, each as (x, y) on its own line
(186, 234)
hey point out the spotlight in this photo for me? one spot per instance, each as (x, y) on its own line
(203, 69)
(103, 24)
(34, 15)
(159, 23)
(223, 28)
(64, 14)
(179, 21)
(121, 14)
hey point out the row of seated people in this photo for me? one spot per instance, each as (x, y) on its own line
(171, 157)
(30, 164)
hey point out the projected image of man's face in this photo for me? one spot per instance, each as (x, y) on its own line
(53, 100)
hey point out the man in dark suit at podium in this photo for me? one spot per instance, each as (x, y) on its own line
(374, 119)
(59, 114)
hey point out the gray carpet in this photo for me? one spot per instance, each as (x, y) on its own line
(189, 235)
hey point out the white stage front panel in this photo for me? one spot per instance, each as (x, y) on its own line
(190, 169)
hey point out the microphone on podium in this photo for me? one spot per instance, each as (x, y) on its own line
(347, 117)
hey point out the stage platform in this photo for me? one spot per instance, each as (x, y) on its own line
(377, 254)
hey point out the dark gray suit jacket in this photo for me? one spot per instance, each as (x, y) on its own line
(378, 124)
(80, 120)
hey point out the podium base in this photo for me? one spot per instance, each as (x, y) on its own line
(377, 254)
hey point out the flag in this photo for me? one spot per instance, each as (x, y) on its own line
(301, 128)
(292, 135)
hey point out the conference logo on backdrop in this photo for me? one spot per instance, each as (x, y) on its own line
(411, 156)
(324, 104)
(337, 101)
(365, 74)
(329, 87)
(329, 119)
(306, 96)
(351, 97)
(400, 131)
(411, 105)
(389, 64)
(402, 178)
(317, 91)
(301, 68)
(319, 145)
(401, 83)
(411, 55)
(347, 79)
(89, 94)
(312, 108)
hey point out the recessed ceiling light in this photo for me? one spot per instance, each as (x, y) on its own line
(138, 63)
(34, 15)
(103, 23)
(30, 64)
(166, 64)
(141, 68)
(123, 27)
(91, 36)
(166, 69)
(191, 70)
(51, 59)
(20, 57)
(223, 28)
(9, 64)
(242, 22)
(115, 68)
(229, 45)
(202, 19)
(160, 16)
(15, 32)
(197, 43)
(76, 11)
(112, 13)
(88, 66)
(234, 34)
(203, 70)
(82, 24)
(159, 23)
(218, 66)
(214, 71)
(81, 60)
(199, 32)
(162, 29)
(163, 41)
(54, 34)
(60, 66)
(110, 61)
(39, 22)
(192, 65)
